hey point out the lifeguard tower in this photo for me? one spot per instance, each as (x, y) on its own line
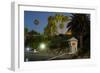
(73, 42)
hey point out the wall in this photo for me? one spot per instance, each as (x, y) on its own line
(5, 34)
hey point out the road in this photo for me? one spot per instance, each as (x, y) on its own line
(38, 57)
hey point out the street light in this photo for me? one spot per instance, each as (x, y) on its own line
(69, 33)
(27, 49)
(42, 46)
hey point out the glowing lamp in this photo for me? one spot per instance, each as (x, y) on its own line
(42, 46)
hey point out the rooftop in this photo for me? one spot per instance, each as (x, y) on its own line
(72, 39)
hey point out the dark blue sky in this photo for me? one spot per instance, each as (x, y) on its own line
(30, 16)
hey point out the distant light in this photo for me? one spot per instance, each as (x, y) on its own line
(42, 46)
(35, 51)
(26, 59)
(69, 33)
(27, 48)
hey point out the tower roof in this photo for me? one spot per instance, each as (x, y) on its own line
(72, 39)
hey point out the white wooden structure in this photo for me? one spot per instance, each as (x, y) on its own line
(73, 42)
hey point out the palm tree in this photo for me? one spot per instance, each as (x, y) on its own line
(61, 23)
(54, 21)
(80, 26)
(51, 25)
(61, 19)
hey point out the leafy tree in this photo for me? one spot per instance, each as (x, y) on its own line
(25, 36)
(32, 39)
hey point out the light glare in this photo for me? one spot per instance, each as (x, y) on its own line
(42, 46)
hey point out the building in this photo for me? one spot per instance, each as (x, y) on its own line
(73, 42)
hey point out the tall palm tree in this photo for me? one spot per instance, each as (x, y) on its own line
(51, 25)
(80, 26)
(54, 21)
(61, 19)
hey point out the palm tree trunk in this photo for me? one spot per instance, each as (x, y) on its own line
(81, 41)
